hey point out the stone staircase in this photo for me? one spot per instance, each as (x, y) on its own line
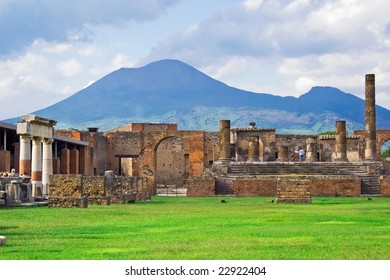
(301, 168)
(369, 172)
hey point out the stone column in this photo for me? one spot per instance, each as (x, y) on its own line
(25, 155)
(74, 161)
(253, 153)
(282, 153)
(36, 166)
(311, 149)
(224, 140)
(370, 134)
(341, 141)
(65, 161)
(47, 164)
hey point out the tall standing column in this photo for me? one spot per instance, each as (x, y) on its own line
(370, 134)
(47, 164)
(253, 154)
(224, 140)
(36, 167)
(25, 155)
(341, 141)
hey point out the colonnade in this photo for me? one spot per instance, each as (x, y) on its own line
(37, 161)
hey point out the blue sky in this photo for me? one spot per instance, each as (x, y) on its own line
(52, 49)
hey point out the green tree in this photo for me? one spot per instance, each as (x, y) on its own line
(385, 152)
(329, 132)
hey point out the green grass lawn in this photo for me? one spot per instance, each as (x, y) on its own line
(168, 228)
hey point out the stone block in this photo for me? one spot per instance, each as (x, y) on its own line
(293, 190)
(2, 240)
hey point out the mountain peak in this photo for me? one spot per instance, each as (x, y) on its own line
(170, 90)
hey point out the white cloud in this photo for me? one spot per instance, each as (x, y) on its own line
(23, 21)
(304, 84)
(69, 68)
(120, 60)
(58, 48)
(305, 43)
(253, 4)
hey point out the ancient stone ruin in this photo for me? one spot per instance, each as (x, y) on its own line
(232, 161)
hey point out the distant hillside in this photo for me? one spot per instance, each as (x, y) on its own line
(172, 91)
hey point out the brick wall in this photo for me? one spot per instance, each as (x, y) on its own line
(291, 190)
(255, 187)
(335, 186)
(200, 187)
(319, 186)
(385, 186)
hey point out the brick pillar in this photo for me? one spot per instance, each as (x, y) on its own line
(282, 153)
(36, 167)
(311, 149)
(341, 141)
(47, 164)
(253, 154)
(370, 134)
(65, 161)
(56, 166)
(5, 160)
(83, 160)
(74, 161)
(25, 155)
(224, 140)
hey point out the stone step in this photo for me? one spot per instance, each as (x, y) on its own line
(298, 168)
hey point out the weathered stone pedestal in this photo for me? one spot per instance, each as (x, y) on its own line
(293, 190)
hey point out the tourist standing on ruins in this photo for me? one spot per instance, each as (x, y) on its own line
(301, 154)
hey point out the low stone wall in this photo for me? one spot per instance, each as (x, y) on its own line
(265, 186)
(385, 186)
(65, 185)
(68, 202)
(291, 190)
(96, 189)
(200, 187)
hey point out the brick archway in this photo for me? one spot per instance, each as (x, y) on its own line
(382, 136)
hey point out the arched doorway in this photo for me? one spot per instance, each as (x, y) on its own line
(172, 163)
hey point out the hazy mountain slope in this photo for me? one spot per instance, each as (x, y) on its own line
(172, 91)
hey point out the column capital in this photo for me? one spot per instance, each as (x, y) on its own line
(47, 141)
(36, 139)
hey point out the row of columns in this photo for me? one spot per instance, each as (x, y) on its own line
(311, 143)
(38, 162)
(283, 156)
